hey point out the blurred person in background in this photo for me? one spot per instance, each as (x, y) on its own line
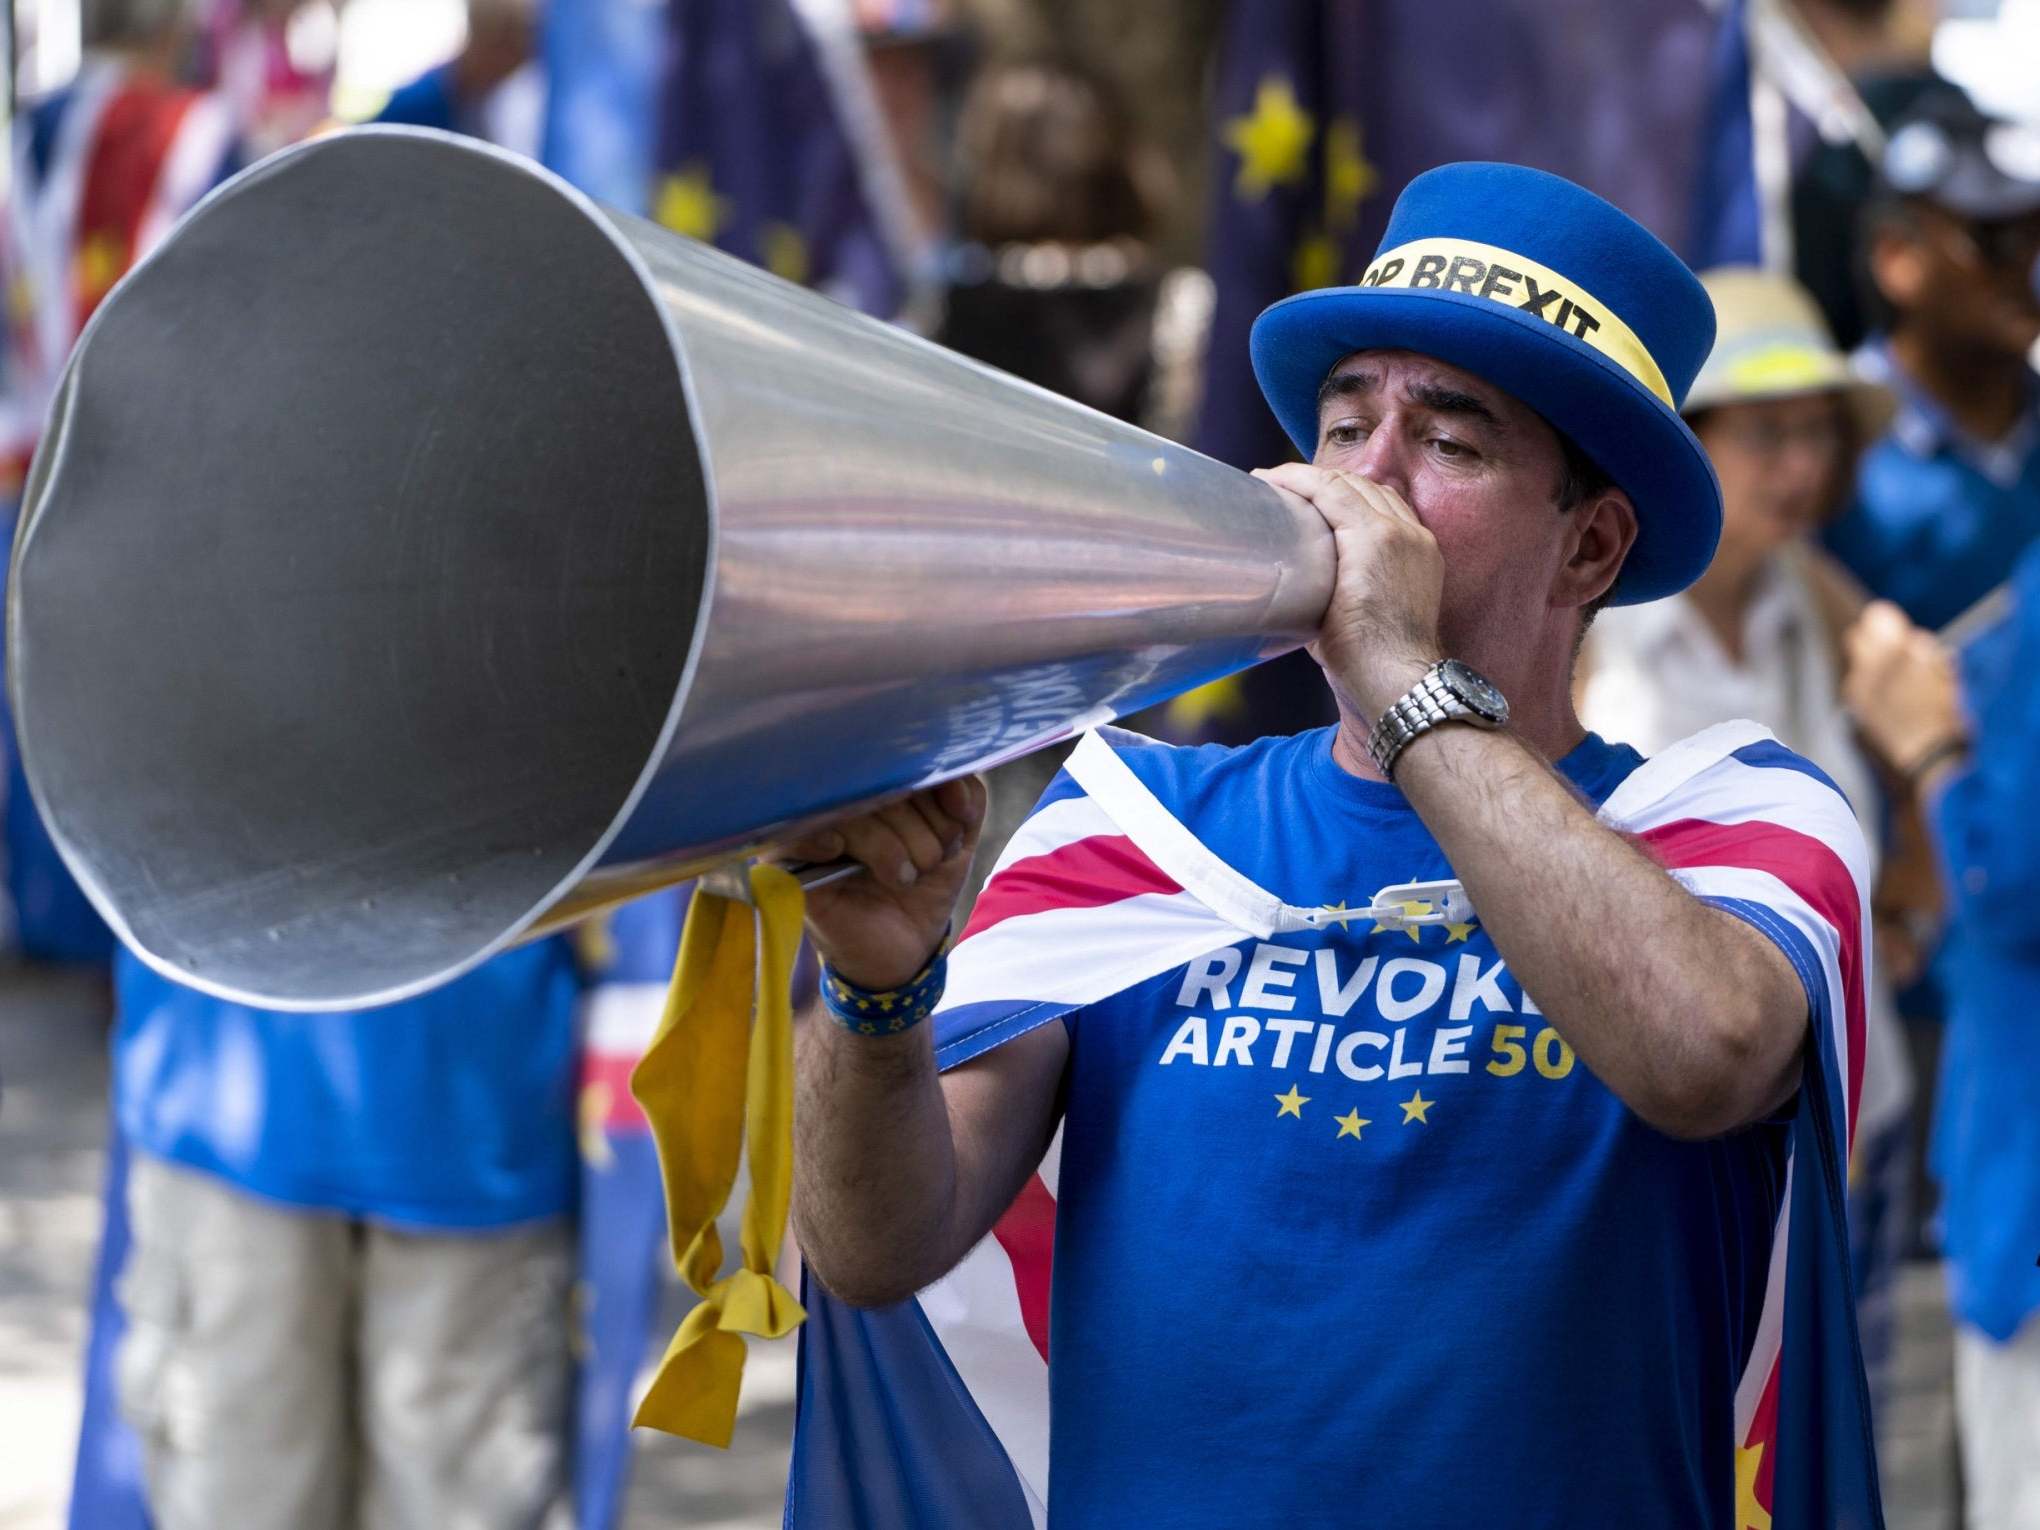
(348, 1296)
(491, 90)
(1053, 277)
(1966, 729)
(104, 167)
(1951, 496)
(1759, 636)
(274, 60)
(348, 1293)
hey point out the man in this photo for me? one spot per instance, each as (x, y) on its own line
(492, 90)
(1950, 497)
(1390, 1219)
(1972, 749)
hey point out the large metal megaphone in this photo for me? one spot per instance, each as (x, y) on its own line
(419, 555)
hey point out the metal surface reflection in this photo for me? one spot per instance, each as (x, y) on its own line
(420, 553)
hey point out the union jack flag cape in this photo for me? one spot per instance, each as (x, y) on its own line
(935, 1414)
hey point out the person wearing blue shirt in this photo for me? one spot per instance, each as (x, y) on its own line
(454, 97)
(348, 1295)
(1967, 726)
(1367, 1223)
(1951, 495)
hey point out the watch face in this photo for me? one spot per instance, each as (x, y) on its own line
(1473, 688)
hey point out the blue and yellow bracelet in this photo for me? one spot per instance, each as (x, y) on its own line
(887, 1013)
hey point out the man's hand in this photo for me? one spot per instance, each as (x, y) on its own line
(1380, 633)
(1902, 687)
(879, 930)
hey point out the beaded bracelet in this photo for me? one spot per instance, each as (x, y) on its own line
(887, 1013)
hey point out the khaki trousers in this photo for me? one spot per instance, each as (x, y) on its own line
(293, 1371)
(1997, 1413)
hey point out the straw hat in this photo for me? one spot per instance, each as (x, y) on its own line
(1771, 342)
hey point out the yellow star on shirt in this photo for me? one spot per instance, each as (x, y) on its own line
(1457, 932)
(1410, 911)
(1292, 1104)
(1749, 1514)
(1338, 913)
(688, 204)
(1272, 141)
(1350, 1124)
(1414, 1108)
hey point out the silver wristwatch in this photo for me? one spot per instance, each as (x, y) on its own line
(1450, 692)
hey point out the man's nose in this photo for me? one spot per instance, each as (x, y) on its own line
(1386, 460)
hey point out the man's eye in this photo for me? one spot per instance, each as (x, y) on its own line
(1449, 449)
(1344, 435)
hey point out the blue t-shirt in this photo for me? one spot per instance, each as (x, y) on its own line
(1939, 519)
(451, 1110)
(1987, 1127)
(1346, 1234)
(430, 101)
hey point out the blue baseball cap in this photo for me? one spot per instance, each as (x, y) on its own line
(1560, 299)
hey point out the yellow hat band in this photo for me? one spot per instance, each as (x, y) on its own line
(1501, 276)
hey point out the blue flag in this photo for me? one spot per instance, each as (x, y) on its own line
(1728, 217)
(1325, 109)
(765, 151)
(602, 93)
(623, 1213)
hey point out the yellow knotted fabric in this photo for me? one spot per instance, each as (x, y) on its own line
(711, 1083)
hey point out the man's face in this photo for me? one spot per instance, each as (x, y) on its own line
(1481, 471)
(1972, 282)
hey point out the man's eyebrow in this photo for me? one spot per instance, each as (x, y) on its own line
(1440, 399)
(1345, 385)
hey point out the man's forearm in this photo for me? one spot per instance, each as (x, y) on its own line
(874, 1161)
(1680, 1009)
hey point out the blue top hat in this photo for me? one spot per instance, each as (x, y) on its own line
(1554, 296)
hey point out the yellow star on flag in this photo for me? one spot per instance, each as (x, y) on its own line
(1292, 1104)
(1216, 701)
(1272, 141)
(594, 1112)
(1457, 932)
(1349, 178)
(1749, 1514)
(1317, 262)
(1350, 1124)
(101, 261)
(688, 204)
(786, 253)
(1341, 915)
(20, 300)
(1414, 1108)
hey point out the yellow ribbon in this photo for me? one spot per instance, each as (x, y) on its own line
(734, 958)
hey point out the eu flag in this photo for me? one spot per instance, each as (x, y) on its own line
(1325, 109)
(765, 149)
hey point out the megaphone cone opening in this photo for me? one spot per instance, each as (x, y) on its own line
(390, 461)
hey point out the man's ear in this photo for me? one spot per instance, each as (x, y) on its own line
(1599, 533)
